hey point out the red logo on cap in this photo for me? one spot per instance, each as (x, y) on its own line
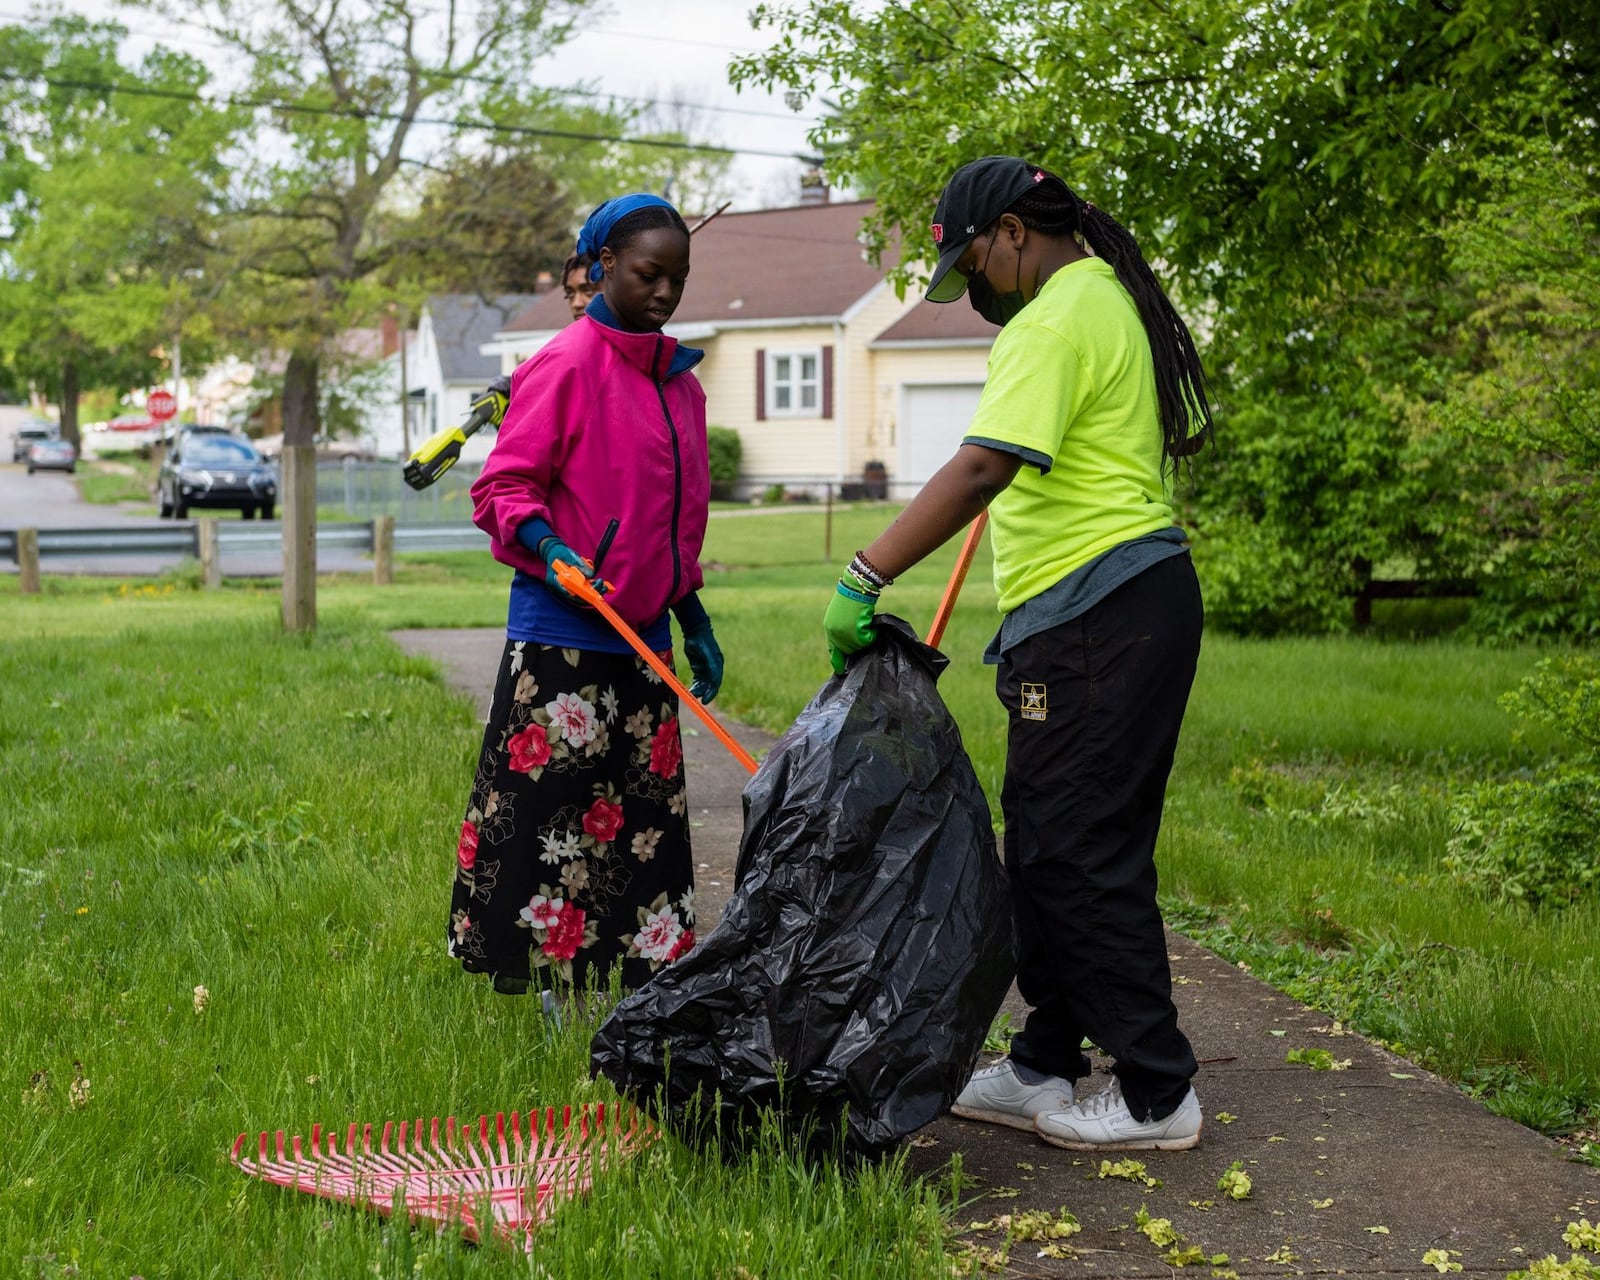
(938, 232)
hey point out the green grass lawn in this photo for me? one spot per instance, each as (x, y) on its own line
(195, 799)
(117, 476)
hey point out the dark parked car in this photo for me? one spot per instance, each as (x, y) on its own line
(29, 434)
(53, 454)
(215, 469)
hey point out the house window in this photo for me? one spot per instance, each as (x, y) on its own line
(794, 383)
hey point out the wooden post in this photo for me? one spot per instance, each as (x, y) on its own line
(383, 550)
(209, 543)
(28, 560)
(299, 494)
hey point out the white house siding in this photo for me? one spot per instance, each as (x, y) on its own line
(893, 370)
(864, 440)
(777, 447)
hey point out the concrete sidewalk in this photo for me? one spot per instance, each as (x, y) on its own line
(1332, 1155)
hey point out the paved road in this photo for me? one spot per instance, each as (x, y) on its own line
(50, 500)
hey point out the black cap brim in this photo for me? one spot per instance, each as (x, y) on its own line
(948, 284)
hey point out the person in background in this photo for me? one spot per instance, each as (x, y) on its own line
(1094, 392)
(573, 859)
(577, 289)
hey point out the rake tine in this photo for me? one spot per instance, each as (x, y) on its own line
(454, 1173)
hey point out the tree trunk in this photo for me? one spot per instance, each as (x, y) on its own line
(69, 403)
(299, 492)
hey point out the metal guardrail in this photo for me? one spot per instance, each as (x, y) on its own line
(265, 535)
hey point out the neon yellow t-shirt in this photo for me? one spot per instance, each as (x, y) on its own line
(1072, 390)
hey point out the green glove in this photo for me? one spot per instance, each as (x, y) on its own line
(848, 622)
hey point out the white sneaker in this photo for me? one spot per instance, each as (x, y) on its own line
(1104, 1123)
(998, 1094)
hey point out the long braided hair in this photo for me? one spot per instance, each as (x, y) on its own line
(1051, 206)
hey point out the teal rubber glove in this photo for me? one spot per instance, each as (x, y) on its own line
(699, 647)
(705, 661)
(848, 622)
(552, 550)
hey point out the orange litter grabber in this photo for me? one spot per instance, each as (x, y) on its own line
(947, 606)
(574, 581)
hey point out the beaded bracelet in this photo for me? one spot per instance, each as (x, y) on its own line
(868, 572)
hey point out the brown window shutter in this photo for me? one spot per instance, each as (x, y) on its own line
(827, 382)
(761, 385)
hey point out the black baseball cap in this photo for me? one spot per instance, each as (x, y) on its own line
(977, 195)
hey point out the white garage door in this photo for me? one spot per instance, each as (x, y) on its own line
(932, 422)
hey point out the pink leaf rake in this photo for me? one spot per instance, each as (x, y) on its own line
(486, 1178)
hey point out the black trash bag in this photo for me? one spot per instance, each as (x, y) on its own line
(866, 948)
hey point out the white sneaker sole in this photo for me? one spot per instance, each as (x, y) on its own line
(1186, 1143)
(1008, 1118)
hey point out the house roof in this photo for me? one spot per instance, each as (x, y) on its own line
(939, 322)
(772, 264)
(462, 322)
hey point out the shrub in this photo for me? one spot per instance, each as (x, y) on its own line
(726, 454)
(1536, 842)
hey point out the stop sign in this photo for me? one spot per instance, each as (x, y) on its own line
(161, 405)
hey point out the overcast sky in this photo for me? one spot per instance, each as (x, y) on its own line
(657, 49)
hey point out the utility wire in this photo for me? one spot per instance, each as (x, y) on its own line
(495, 81)
(482, 126)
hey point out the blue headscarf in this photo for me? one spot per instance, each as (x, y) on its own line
(597, 229)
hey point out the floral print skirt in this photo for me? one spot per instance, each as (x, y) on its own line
(574, 855)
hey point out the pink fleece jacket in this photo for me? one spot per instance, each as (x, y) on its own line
(600, 427)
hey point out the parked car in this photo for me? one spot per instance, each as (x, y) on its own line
(206, 468)
(29, 434)
(52, 454)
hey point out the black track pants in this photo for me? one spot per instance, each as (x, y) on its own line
(1095, 705)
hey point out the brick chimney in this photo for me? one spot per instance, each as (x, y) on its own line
(813, 187)
(544, 282)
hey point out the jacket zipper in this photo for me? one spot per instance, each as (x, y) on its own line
(677, 471)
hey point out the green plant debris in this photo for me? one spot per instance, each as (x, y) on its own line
(1376, 1231)
(1284, 1255)
(1159, 1231)
(1442, 1260)
(1582, 1234)
(1317, 1059)
(1041, 1224)
(1000, 1032)
(1235, 1182)
(1552, 1268)
(1225, 1117)
(1129, 1171)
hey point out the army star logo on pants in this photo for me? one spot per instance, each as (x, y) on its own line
(1033, 702)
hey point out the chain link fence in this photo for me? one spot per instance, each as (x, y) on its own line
(361, 490)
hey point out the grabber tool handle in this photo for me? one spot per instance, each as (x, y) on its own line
(570, 577)
(947, 606)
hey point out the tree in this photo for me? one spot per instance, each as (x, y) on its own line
(104, 192)
(348, 97)
(493, 216)
(1289, 168)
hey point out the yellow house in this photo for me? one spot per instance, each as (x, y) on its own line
(810, 356)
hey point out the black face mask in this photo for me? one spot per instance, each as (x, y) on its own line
(996, 308)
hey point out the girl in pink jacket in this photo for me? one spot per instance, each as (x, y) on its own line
(574, 855)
